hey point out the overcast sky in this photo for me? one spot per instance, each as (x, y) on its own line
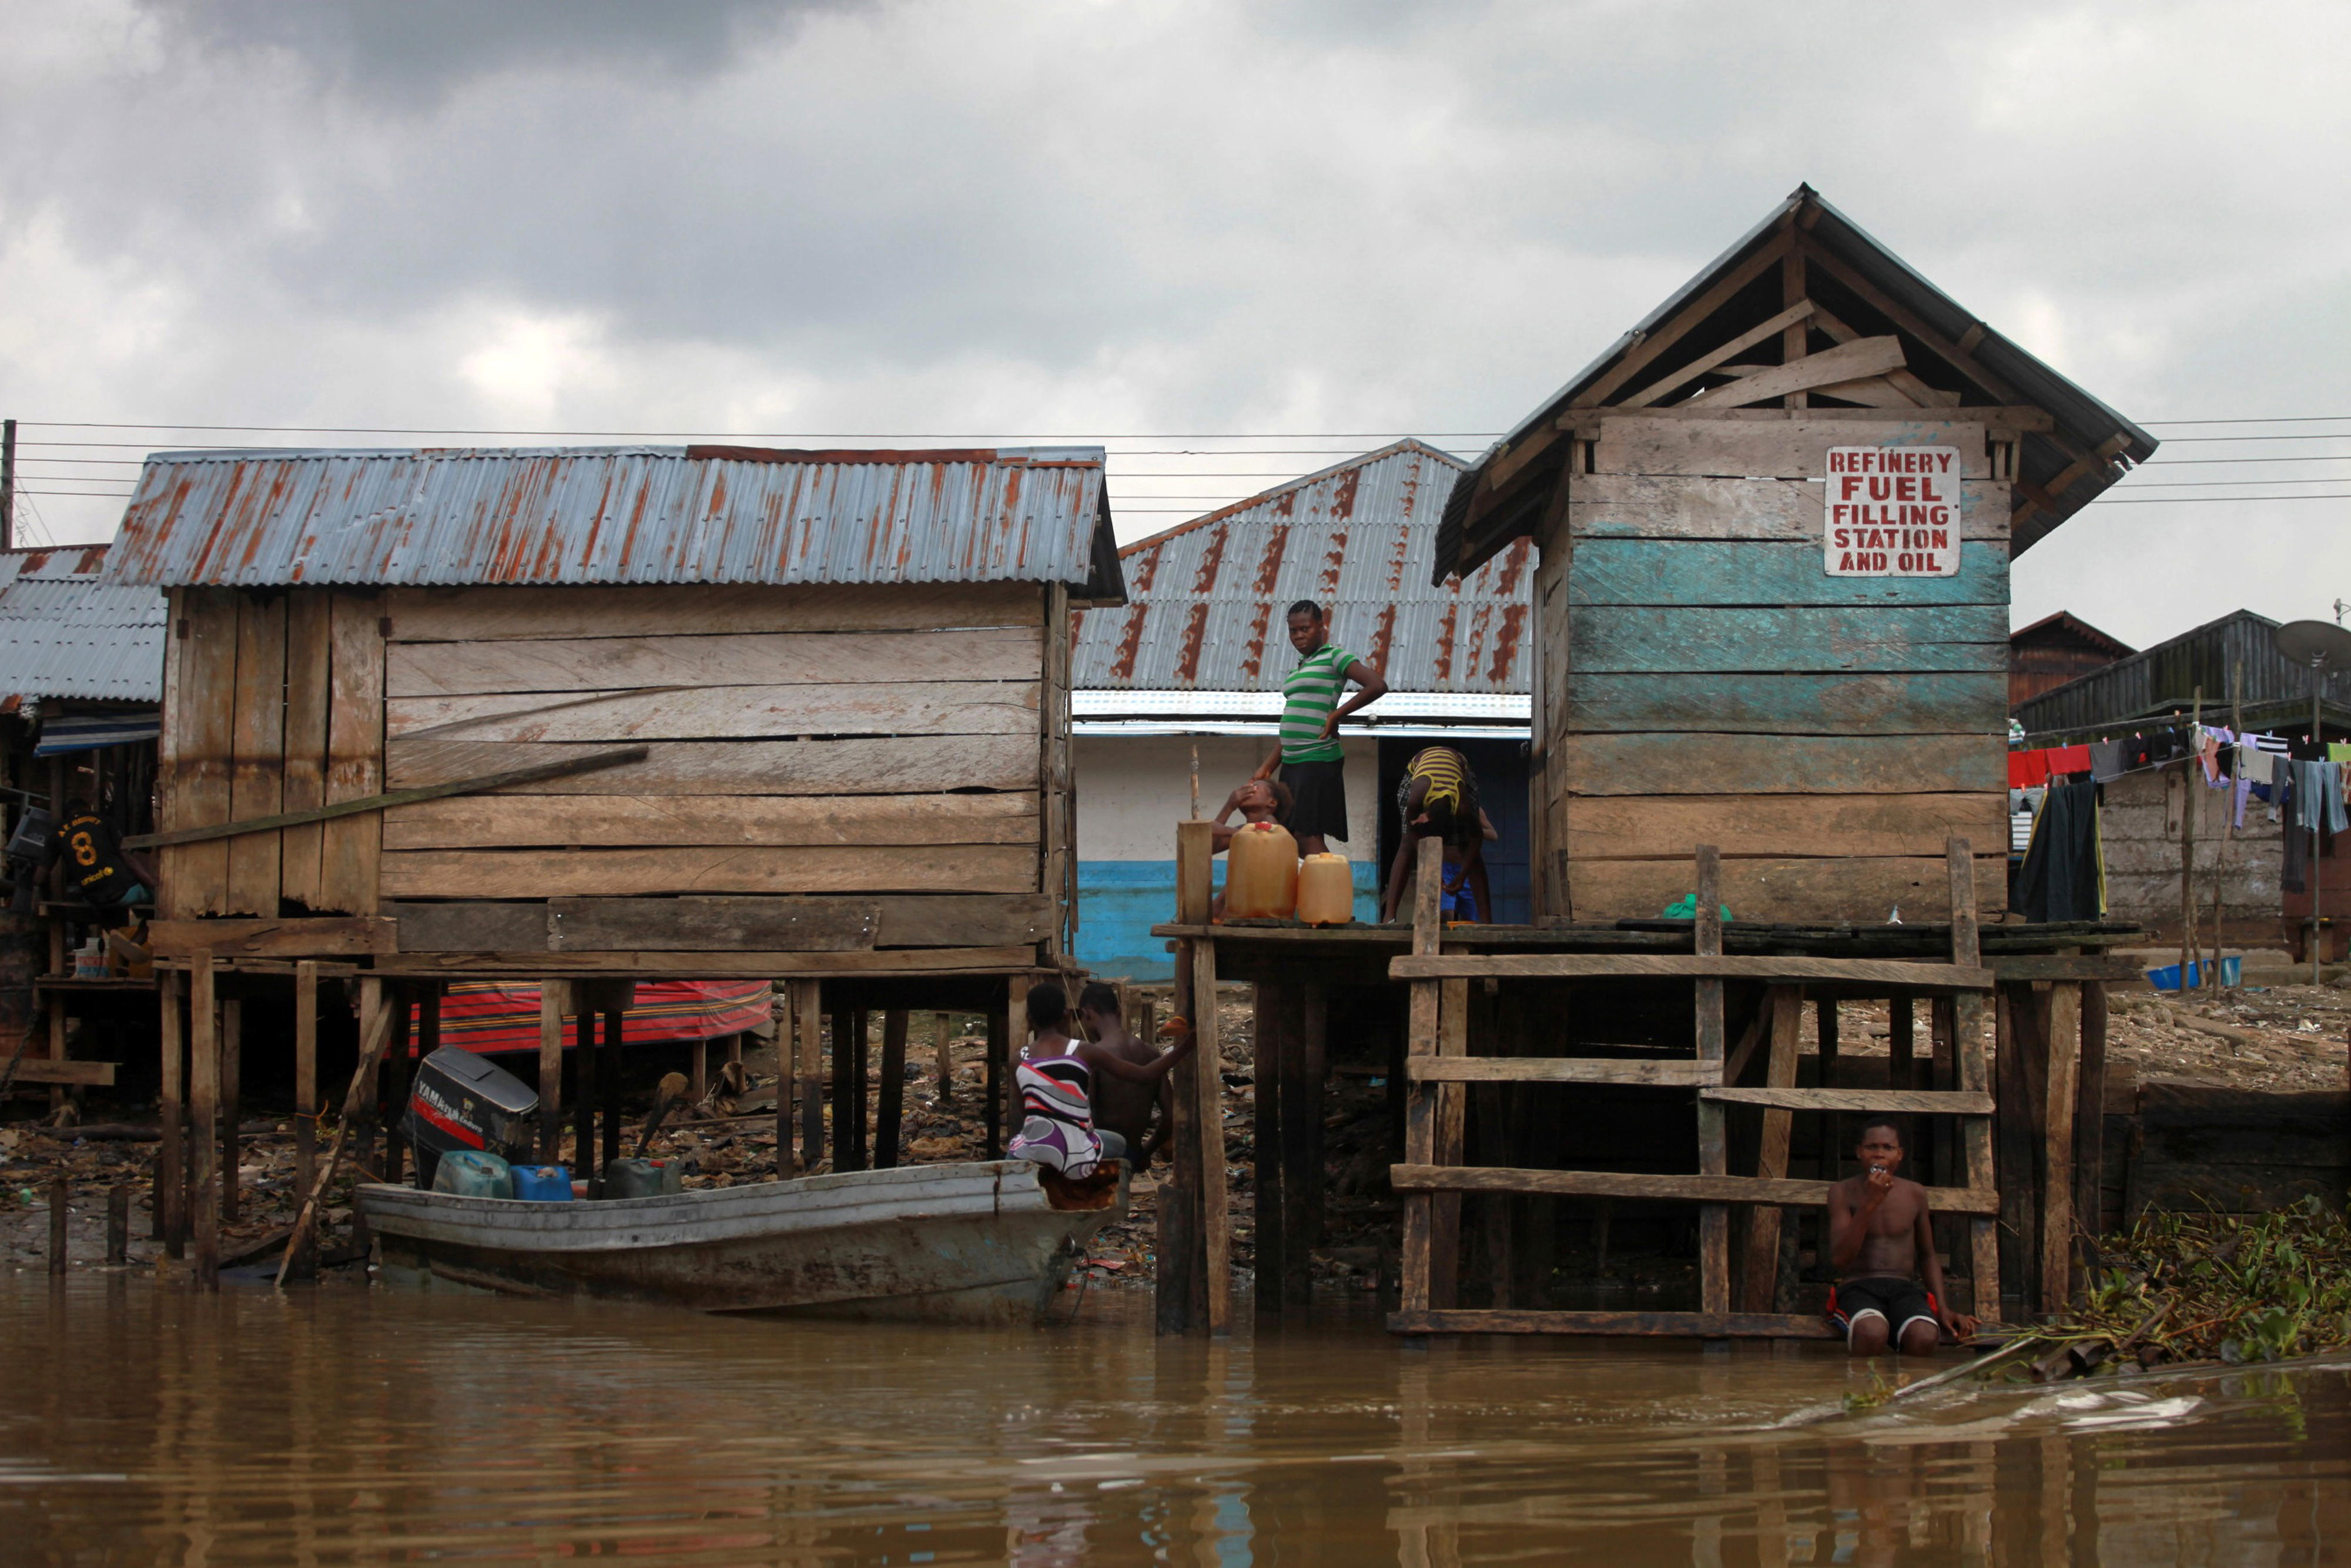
(1090, 221)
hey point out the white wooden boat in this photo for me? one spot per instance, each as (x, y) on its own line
(972, 1243)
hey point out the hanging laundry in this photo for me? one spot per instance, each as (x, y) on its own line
(2064, 872)
(2027, 768)
(2293, 874)
(2208, 754)
(2069, 760)
(2338, 751)
(2106, 759)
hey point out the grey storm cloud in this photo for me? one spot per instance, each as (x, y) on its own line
(1069, 217)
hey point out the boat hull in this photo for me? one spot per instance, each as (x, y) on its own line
(974, 1242)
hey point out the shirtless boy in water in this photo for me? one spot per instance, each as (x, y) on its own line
(1882, 1245)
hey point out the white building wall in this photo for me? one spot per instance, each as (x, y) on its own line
(1133, 789)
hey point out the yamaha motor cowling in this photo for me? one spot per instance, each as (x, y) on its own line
(466, 1102)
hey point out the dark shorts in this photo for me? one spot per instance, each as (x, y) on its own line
(1900, 1302)
(1318, 798)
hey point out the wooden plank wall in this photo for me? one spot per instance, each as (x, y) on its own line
(804, 739)
(272, 701)
(1707, 680)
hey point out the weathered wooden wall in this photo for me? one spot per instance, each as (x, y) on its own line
(2139, 826)
(1706, 680)
(273, 701)
(807, 739)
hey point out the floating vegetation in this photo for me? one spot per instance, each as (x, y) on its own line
(2211, 1287)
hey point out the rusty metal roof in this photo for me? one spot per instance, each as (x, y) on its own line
(66, 633)
(1205, 599)
(621, 515)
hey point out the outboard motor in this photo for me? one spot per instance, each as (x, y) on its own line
(462, 1101)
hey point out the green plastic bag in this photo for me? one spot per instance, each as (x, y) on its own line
(1686, 908)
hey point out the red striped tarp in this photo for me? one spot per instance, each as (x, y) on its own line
(490, 1016)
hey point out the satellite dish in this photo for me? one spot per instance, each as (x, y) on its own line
(2316, 645)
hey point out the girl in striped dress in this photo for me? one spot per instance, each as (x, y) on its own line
(1055, 1076)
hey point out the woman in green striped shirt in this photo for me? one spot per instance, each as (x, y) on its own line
(1312, 766)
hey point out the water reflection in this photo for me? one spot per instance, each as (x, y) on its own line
(149, 1423)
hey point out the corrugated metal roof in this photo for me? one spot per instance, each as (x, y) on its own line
(66, 633)
(1205, 599)
(2167, 678)
(2080, 420)
(619, 515)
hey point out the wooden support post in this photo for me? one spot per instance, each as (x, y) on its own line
(1713, 1141)
(2090, 1113)
(2016, 1140)
(1760, 1285)
(734, 1048)
(1208, 1117)
(697, 1070)
(1313, 1067)
(1967, 1057)
(1301, 1111)
(583, 1090)
(891, 1107)
(612, 1040)
(170, 1150)
(375, 1035)
(305, 1078)
(991, 1110)
(1417, 1264)
(407, 1034)
(1902, 1072)
(1176, 1199)
(1016, 1050)
(118, 1223)
(943, 1064)
(1452, 1107)
(1265, 1137)
(2057, 1151)
(204, 1115)
(551, 999)
(232, 1093)
(60, 1195)
(808, 1020)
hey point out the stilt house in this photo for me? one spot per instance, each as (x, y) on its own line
(1775, 522)
(775, 711)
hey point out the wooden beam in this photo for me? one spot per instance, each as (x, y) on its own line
(1713, 1132)
(1891, 973)
(1674, 1075)
(2057, 1218)
(1656, 390)
(473, 786)
(1974, 1075)
(358, 935)
(1761, 1283)
(1671, 332)
(1907, 1101)
(903, 961)
(1846, 362)
(1909, 321)
(1676, 1325)
(1420, 1100)
(1208, 1119)
(1691, 1187)
(42, 1069)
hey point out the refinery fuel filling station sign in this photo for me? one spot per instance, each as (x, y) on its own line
(1892, 511)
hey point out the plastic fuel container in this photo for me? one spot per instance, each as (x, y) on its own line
(1261, 874)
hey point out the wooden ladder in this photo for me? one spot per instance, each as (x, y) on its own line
(1439, 1067)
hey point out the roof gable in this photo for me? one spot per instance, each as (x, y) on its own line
(1810, 309)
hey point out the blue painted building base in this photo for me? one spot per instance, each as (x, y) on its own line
(1120, 901)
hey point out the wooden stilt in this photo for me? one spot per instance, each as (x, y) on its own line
(1016, 1045)
(1177, 1200)
(808, 1020)
(734, 1048)
(1208, 1116)
(1416, 1262)
(416, 1036)
(891, 1103)
(204, 1115)
(843, 1097)
(697, 1070)
(1967, 1056)
(1312, 1069)
(118, 1225)
(608, 1081)
(375, 1035)
(583, 1092)
(2090, 1113)
(551, 998)
(943, 1064)
(1266, 1134)
(306, 1082)
(860, 1089)
(1452, 1108)
(2016, 1150)
(2057, 1219)
(1713, 1144)
(991, 1111)
(1760, 1284)
(171, 1151)
(232, 1093)
(1300, 1116)
(1902, 1066)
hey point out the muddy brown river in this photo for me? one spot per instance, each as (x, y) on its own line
(144, 1423)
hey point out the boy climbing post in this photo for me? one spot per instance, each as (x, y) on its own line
(1312, 765)
(1882, 1245)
